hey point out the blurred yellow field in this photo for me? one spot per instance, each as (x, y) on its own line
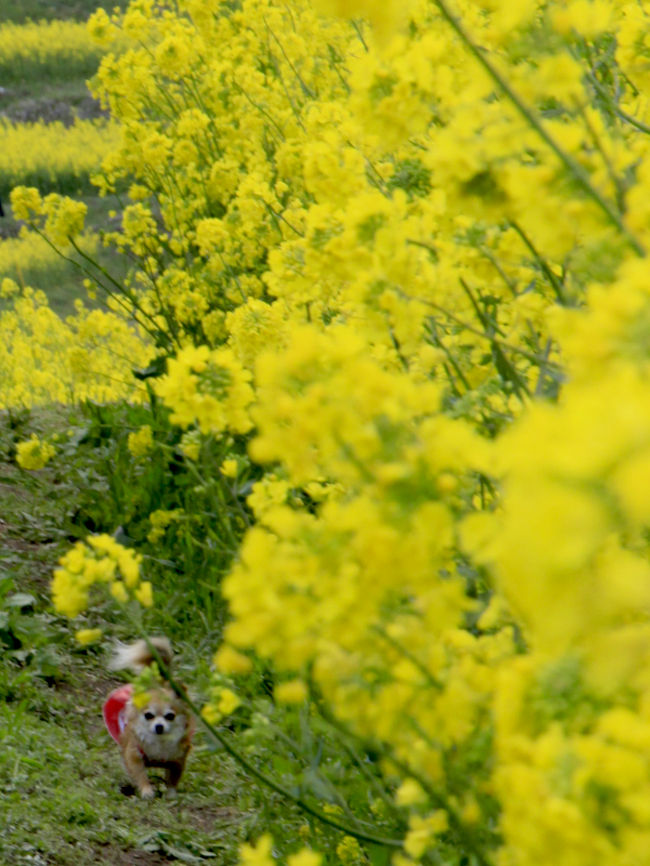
(60, 49)
(88, 357)
(33, 252)
(53, 156)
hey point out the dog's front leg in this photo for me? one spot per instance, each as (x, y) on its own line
(134, 763)
(173, 773)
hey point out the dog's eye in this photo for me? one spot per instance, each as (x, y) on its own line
(170, 716)
(148, 715)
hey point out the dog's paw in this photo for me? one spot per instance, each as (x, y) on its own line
(147, 793)
(171, 793)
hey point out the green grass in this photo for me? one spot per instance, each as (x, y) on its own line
(61, 778)
(23, 10)
(16, 71)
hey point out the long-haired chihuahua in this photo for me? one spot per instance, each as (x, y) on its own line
(152, 728)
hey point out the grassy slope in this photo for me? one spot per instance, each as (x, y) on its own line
(61, 779)
(60, 773)
(21, 10)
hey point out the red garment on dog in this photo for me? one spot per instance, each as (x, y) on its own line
(114, 710)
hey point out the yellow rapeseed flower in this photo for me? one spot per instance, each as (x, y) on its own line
(87, 636)
(34, 453)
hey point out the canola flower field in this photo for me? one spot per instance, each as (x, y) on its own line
(52, 156)
(54, 137)
(381, 363)
(46, 49)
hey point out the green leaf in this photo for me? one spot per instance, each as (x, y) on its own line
(20, 599)
(378, 854)
(153, 371)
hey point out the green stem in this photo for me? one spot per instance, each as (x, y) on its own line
(504, 366)
(431, 680)
(613, 105)
(437, 341)
(121, 289)
(306, 90)
(558, 288)
(495, 263)
(537, 359)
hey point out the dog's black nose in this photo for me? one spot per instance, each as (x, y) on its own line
(159, 728)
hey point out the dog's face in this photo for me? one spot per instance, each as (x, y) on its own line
(162, 719)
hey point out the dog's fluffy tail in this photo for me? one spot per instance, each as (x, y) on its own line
(137, 656)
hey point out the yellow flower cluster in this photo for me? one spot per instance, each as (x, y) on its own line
(63, 217)
(223, 702)
(407, 255)
(222, 201)
(34, 453)
(349, 852)
(160, 520)
(259, 854)
(141, 441)
(207, 388)
(86, 636)
(43, 359)
(99, 560)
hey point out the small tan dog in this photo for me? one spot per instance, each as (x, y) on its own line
(153, 728)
